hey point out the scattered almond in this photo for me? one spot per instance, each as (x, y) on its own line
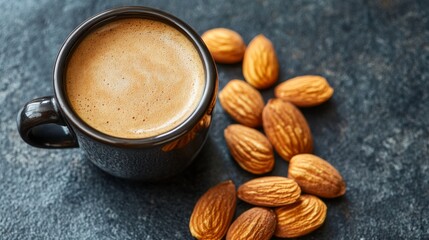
(242, 102)
(316, 176)
(305, 91)
(260, 64)
(250, 148)
(286, 128)
(256, 224)
(271, 191)
(225, 45)
(302, 217)
(213, 212)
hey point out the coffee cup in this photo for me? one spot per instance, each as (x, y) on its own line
(134, 88)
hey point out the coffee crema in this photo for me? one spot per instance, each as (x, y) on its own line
(135, 78)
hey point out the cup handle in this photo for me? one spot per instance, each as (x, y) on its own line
(41, 124)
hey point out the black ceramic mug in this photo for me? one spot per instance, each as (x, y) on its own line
(51, 122)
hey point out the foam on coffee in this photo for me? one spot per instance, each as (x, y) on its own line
(134, 78)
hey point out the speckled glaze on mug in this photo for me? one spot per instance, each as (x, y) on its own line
(50, 122)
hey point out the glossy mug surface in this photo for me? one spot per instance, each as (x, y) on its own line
(134, 89)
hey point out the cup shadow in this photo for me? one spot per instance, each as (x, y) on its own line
(159, 209)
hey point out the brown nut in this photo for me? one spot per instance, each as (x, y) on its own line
(260, 64)
(213, 212)
(250, 148)
(305, 91)
(286, 128)
(302, 217)
(271, 191)
(225, 45)
(316, 176)
(256, 224)
(242, 102)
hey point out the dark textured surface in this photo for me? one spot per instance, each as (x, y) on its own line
(375, 130)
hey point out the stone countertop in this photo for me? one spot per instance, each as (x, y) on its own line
(375, 129)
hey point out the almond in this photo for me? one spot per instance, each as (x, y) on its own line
(256, 224)
(271, 191)
(225, 45)
(305, 91)
(260, 64)
(242, 102)
(286, 128)
(316, 176)
(213, 212)
(250, 148)
(302, 217)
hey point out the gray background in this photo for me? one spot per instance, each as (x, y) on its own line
(375, 129)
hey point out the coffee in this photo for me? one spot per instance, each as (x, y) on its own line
(134, 78)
